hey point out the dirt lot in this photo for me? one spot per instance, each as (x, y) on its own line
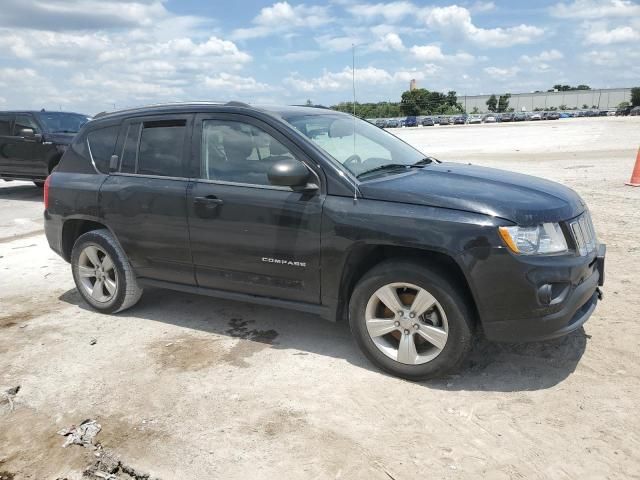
(192, 388)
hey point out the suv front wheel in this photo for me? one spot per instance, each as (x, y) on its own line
(410, 320)
(102, 273)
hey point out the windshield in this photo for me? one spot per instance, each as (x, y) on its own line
(59, 122)
(357, 145)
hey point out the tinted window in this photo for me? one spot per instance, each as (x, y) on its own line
(128, 158)
(102, 144)
(5, 124)
(61, 122)
(161, 146)
(239, 152)
(25, 121)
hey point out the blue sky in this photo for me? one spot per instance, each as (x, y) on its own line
(92, 55)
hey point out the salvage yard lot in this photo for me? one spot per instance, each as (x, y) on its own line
(195, 387)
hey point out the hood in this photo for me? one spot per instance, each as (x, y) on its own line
(60, 138)
(523, 199)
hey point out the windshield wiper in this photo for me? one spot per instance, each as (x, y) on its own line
(388, 166)
(65, 131)
(393, 166)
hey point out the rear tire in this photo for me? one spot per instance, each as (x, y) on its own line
(425, 332)
(102, 272)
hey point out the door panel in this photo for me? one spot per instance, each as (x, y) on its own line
(148, 212)
(30, 156)
(251, 238)
(149, 218)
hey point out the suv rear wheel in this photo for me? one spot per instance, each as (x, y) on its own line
(410, 321)
(102, 273)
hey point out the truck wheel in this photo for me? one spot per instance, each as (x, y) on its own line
(102, 272)
(410, 321)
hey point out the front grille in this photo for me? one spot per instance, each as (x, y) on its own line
(583, 234)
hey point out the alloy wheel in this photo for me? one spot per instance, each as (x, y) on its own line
(97, 274)
(406, 323)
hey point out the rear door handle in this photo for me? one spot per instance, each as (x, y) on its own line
(210, 201)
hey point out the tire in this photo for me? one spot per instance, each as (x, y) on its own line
(448, 323)
(110, 288)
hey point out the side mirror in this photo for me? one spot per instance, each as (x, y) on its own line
(289, 173)
(113, 163)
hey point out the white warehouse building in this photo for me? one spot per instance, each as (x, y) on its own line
(603, 99)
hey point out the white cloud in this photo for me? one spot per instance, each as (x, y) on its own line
(596, 9)
(392, 12)
(339, 43)
(387, 43)
(454, 20)
(236, 83)
(282, 17)
(501, 73)
(481, 7)
(433, 53)
(544, 56)
(602, 36)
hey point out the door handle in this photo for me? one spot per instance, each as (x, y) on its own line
(210, 201)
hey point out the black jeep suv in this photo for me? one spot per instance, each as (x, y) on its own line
(318, 211)
(31, 143)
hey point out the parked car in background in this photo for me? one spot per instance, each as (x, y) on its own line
(635, 111)
(507, 117)
(535, 116)
(392, 123)
(443, 120)
(553, 116)
(459, 120)
(411, 122)
(490, 118)
(421, 257)
(381, 123)
(623, 111)
(520, 117)
(427, 122)
(474, 119)
(32, 142)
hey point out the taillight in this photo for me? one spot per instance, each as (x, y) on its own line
(46, 192)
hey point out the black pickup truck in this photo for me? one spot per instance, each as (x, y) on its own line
(32, 142)
(315, 210)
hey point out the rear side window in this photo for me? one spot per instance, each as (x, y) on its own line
(102, 143)
(5, 124)
(161, 146)
(130, 149)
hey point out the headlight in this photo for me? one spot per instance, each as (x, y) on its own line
(543, 239)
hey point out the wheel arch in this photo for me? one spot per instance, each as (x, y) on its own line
(364, 257)
(72, 229)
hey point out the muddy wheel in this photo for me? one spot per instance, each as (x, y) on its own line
(102, 273)
(411, 321)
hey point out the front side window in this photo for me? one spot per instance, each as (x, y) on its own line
(102, 143)
(238, 152)
(24, 121)
(356, 144)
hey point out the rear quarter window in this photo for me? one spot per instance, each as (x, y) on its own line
(102, 143)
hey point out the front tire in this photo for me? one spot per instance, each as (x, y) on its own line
(102, 272)
(410, 320)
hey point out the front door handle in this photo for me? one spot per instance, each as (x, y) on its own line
(210, 201)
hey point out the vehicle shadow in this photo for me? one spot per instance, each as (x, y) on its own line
(22, 191)
(490, 367)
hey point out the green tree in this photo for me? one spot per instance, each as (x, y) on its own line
(503, 103)
(452, 99)
(585, 106)
(635, 96)
(583, 87)
(475, 110)
(308, 103)
(492, 103)
(412, 101)
(624, 104)
(562, 107)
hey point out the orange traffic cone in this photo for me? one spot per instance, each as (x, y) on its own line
(635, 176)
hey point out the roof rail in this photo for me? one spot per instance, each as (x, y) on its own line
(234, 103)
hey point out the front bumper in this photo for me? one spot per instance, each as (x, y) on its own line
(514, 305)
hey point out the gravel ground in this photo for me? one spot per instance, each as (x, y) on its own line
(193, 387)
